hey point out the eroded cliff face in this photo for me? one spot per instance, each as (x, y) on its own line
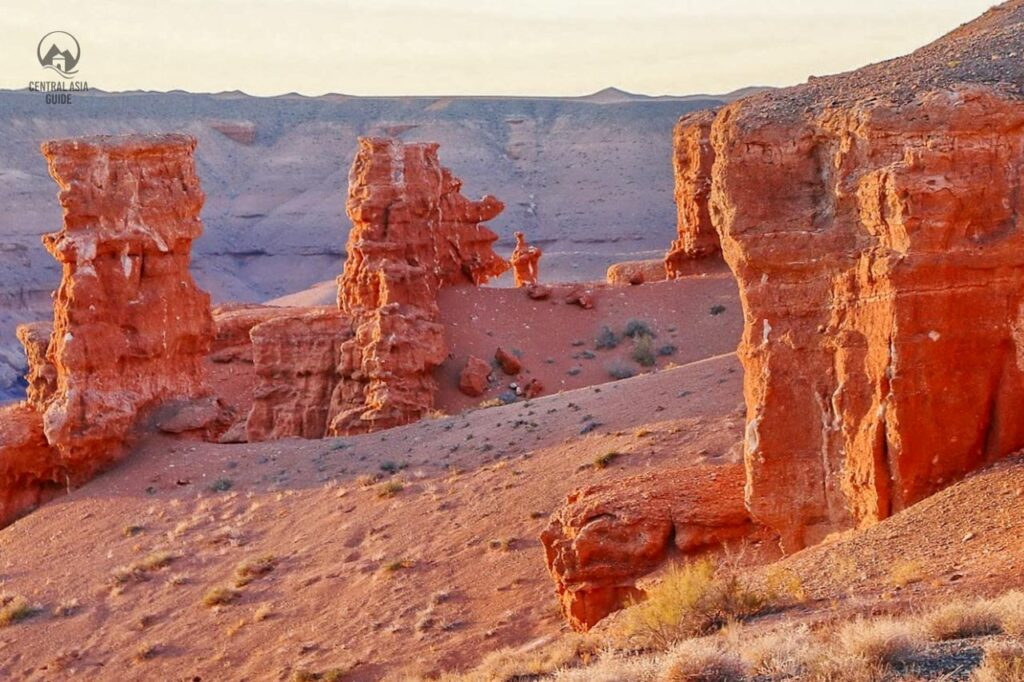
(413, 232)
(692, 160)
(296, 363)
(130, 326)
(880, 255)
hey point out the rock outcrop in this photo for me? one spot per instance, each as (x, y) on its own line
(31, 471)
(874, 223)
(475, 377)
(693, 159)
(130, 326)
(130, 329)
(296, 364)
(608, 536)
(413, 232)
(634, 272)
(525, 262)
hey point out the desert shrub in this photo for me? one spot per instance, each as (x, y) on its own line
(643, 352)
(638, 328)
(221, 485)
(219, 596)
(700, 660)
(1010, 610)
(493, 402)
(619, 370)
(693, 599)
(515, 665)
(905, 573)
(605, 460)
(398, 565)
(253, 568)
(14, 609)
(667, 350)
(883, 642)
(606, 339)
(390, 489)
(784, 585)
(1003, 662)
(958, 620)
(777, 655)
(717, 309)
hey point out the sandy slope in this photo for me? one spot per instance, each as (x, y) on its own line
(488, 476)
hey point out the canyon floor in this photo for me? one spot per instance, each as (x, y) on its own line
(415, 551)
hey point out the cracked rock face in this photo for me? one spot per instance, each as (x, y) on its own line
(878, 241)
(130, 326)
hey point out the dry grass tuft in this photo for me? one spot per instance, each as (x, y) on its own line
(1010, 610)
(959, 620)
(254, 568)
(14, 609)
(693, 599)
(220, 596)
(702, 660)
(1003, 662)
(906, 573)
(884, 642)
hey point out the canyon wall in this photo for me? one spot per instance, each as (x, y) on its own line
(881, 265)
(692, 160)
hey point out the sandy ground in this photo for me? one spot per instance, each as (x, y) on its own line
(430, 578)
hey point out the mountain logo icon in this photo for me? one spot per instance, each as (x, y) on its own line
(59, 51)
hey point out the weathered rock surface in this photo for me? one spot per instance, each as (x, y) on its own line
(413, 233)
(296, 365)
(475, 377)
(608, 536)
(130, 327)
(30, 470)
(693, 159)
(636, 272)
(42, 375)
(874, 222)
(508, 362)
(525, 261)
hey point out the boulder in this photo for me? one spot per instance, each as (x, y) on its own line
(608, 536)
(635, 272)
(508, 362)
(475, 377)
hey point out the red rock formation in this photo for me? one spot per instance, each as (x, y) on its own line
(30, 470)
(475, 377)
(580, 296)
(296, 363)
(538, 292)
(874, 222)
(636, 272)
(508, 362)
(243, 132)
(42, 375)
(608, 536)
(693, 160)
(533, 389)
(524, 261)
(130, 326)
(413, 232)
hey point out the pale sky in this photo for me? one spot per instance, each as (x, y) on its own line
(468, 47)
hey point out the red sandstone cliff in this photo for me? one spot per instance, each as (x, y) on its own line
(873, 221)
(692, 161)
